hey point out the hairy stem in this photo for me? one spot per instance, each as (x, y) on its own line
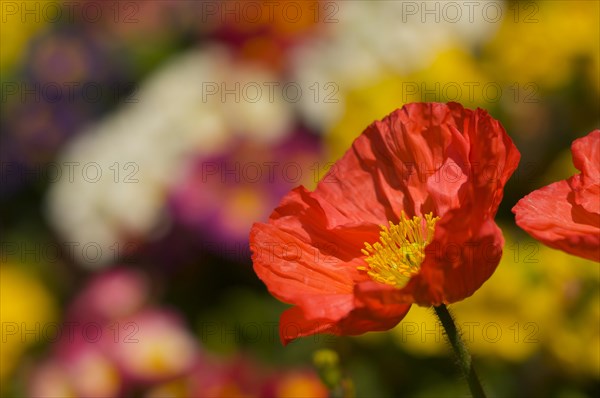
(460, 349)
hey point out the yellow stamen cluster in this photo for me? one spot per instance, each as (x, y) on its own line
(400, 250)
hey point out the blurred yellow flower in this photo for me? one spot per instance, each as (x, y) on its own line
(539, 299)
(454, 75)
(19, 23)
(420, 333)
(573, 338)
(362, 106)
(26, 307)
(542, 42)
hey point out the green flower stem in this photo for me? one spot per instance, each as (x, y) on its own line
(460, 349)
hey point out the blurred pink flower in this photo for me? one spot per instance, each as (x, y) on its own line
(112, 343)
(117, 293)
(50, 379)
(153, 346)
(78, 365)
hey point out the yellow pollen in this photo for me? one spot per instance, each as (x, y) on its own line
(400, 251)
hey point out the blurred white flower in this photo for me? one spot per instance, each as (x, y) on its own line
(371, 38)
(115, 175)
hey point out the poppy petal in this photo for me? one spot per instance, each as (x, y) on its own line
(586, 157)
(551, 215)
(376, 309)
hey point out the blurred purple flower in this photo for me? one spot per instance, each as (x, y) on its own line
(221, 196)
(68, 78)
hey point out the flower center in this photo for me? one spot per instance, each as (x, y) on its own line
(400, 251)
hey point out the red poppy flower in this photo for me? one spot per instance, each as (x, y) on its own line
(565, 215)
(405, 216)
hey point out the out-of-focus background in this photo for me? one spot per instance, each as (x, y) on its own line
(141, 139)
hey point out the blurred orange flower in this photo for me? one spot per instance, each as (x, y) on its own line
(565, 215)
(405, 216)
